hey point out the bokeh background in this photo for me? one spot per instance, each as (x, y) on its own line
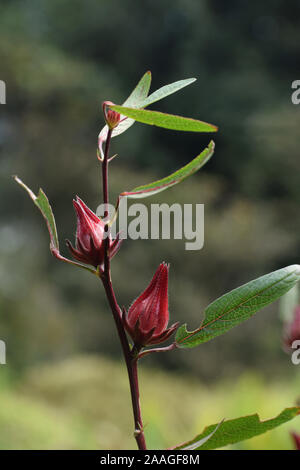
(64, 385)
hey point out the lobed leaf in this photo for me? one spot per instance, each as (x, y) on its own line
(167, 121)
(237, 430)
(175, 178)
(238, 305)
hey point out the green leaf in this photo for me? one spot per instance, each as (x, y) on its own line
(41, 201)
(239, 429)
(134, 99)
(163, 92)
(138, 99)
(167, 121)
(175, 178)
(140, 92)
(199, 443)
(238, 305)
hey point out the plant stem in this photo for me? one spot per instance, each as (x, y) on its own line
(131, 363)
(105, 173)
(157, 350)
(130, 358)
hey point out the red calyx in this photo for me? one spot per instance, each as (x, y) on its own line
(90, 236)
(147, 318)
(112, 118)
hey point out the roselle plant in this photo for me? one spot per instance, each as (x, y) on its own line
(144, 325)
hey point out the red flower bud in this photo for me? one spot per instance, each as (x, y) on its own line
(147, 318)
(90, 236)
(296, 438)
(112, 118)
(292, 330)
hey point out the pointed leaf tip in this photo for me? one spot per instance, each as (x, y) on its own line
(239, 305)
(165, 91)
(236, 430)
(41, 201)
(139, 99)
(173, 179)
(167, 121)
(139, 93)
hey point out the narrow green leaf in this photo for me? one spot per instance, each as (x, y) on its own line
(163, 92)
(138, 95)
(140, 92)
(238, 305)
(239, 429)
(134, 101)
(175, 178)
(41, 201)
(199, 443)
(138, 99)
(167, 121)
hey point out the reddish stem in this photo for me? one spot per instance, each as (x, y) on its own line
(130, 358)
(171, 347)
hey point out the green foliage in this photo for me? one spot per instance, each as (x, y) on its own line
(41, 201)
(167, 121)
(163, 92)
(58, 71)
(196, 444)
(175, 178)
(138, 95)
(140, 92)
(238, 305)
(54, 81)
(139, 99)
(237, 430)
(58, 406)
(193, 285)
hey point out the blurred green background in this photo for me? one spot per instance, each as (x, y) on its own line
(63, 385)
